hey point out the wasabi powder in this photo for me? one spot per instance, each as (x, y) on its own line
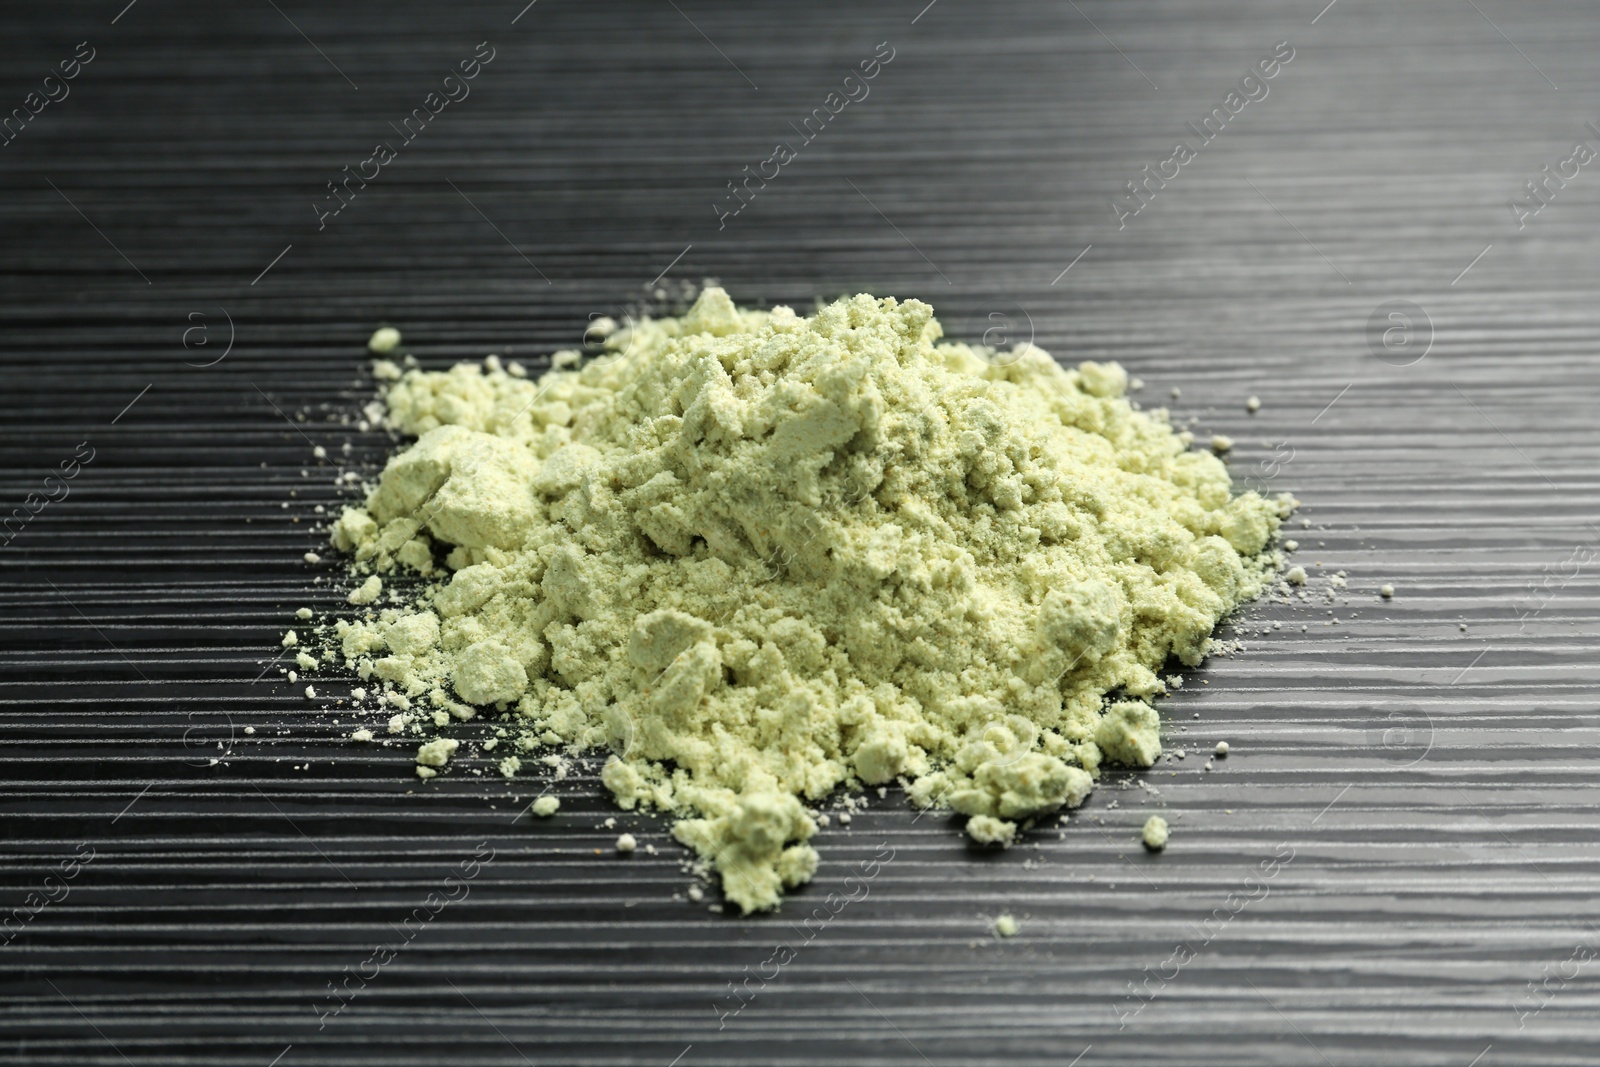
(759, 557)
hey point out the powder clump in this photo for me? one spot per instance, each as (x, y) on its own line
(761, 556)
(437, 753)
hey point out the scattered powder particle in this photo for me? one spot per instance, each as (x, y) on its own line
(305, 661)
(311, 692)
(312, 557)
(358, 694)
(610, 823)
(546, 806)
(1155, 833)
(844, 818)
(302, 613)
(1253, 404)
(762, 557)
(1386, 592)
(425, 772)
(250, 731)
(293, 677)
(290, 639)
(397, 724)
(510, 766)
(988, 830)
(1296, 576)
(1221, 442)
(319, 452)
(626, 843)
(367, 591)
(437, 753)
(1290, 545)
(1222, 748)
(1006, 926)
(696, 894)
(384, 339)
(361, 735)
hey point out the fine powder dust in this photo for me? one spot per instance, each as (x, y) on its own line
(760, 557)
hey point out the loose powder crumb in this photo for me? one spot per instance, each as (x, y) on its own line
(1155, 833)
(1222, 748)
(626, 843)
(1006, 926)
(546, 806)
(1386, 592)
(384, 340)
(437, 753)
(368, 591)
(761, 557)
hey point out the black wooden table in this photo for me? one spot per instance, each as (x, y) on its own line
(1396, 864)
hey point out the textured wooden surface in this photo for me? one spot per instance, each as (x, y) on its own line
(1426, 787)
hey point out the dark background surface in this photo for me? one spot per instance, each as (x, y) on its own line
(1433, 784)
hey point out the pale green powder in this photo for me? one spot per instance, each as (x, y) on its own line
(760, 557)
(437, 753)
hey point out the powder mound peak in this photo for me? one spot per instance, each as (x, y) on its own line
(762, 556)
